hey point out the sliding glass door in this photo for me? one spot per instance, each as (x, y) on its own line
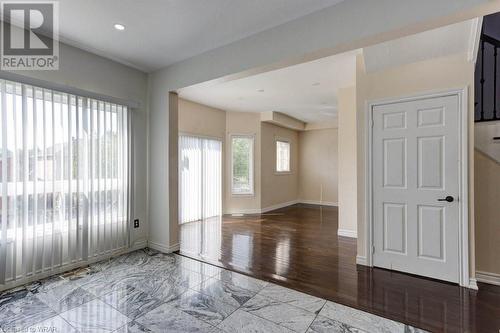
(200, 193)
(63, 180)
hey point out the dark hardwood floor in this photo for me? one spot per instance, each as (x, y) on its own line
(298, 247)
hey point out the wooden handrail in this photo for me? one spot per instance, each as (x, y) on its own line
(491, 40)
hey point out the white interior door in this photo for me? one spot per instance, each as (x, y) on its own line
(415, 156)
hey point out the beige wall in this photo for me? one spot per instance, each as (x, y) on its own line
(201, 120)
(347, 160)
(283, 120)
(322, 125)
(407, 80)
(278, 188)
(318, 166)
(487, 193)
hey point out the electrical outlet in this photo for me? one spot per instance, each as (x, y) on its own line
(136, 223)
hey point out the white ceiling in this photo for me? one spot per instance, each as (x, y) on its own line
(451, 39)
(161, 32)
(295, 90)
(307, 91)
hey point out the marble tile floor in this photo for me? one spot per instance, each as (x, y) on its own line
(146, 291)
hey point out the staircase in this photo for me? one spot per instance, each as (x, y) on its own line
(487, 112)
(486, 97)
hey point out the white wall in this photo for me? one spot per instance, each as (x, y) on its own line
(339, 28)
(83, 70)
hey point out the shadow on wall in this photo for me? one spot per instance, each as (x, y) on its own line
(487, 192)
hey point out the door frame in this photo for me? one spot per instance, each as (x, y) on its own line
(463, 240)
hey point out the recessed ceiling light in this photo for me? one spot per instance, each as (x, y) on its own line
(260, 90)
(119, 26)
(316, 84)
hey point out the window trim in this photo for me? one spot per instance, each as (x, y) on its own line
(252, 165)
(290, 170)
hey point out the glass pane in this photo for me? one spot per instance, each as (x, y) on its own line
(242, 155)
(282, 156)
(63, 165)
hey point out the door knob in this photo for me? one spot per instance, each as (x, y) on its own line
(448, 199)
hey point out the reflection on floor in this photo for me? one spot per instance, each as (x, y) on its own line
(146, 291)
(298, 247)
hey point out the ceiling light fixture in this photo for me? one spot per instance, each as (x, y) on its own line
(119, 27)
(260, 90)
(316, 84)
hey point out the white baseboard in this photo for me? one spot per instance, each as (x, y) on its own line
(282, 205)
(139, 244)
(347, 233)
(163, 248)
(245, 211)
(361, 260)
(472, 284)
(278, 206)
(321, 203)
(487, 277)
(175, 247)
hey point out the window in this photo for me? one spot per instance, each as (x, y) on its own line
(242, 164)
(63, 176)
(282, 156)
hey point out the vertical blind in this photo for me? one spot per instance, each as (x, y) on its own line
(200, 181)
(64, 179)
(200, 193)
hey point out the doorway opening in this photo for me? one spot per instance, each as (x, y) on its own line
(419, 202)
(297, 235)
